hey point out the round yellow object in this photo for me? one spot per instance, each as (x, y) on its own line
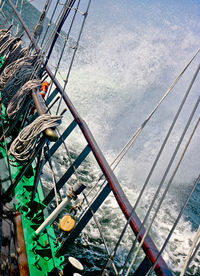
(67, 223)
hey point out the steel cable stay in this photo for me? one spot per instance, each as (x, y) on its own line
(100, 232)
(127, 146)
(124, 150)
(5, 144)
(39, 63)
(53, 176)
(58, 26)
(49, 24)
(192, 252)
(1, 8)
(74, 53)
(39, 26)
(20, 12)
(176, 222)
(16, 4)
(88, 203)
(65, 43)
(42, 51)
(127, 143)
(113, 253)
(85, 196)
(156, 195)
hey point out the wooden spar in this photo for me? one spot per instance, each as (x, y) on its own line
(148, 246)
(21, 249)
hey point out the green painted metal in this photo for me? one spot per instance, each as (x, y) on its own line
(1, 61)
(41, 251)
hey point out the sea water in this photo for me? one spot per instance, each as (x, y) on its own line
(131, 51)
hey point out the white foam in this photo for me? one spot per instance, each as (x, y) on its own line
(125, 67)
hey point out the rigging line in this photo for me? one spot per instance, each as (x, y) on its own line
(39, 26)
(41, 51)
(22, 3)
(53, 34)
(16, 4)
(161, 149)
(17, 28)
(93, 198)
(166, 138)
(1, 8)
(64, 46)
(194, 253)
(53, 176)
(100, 232)
(20, 12)
(70, 67)
(47, 5)
(6, 148)
(180, 214)
(159, 188)
(66, 11)
(85, 197)
(89, 206)
(124, 150)
(188, 260)
(158, 156)
(7, 19)
(49, 24)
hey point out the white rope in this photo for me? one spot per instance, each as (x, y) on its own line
(189, 256)
(10, 70)
(24, 144)
(1, 8)
(6, 45)
(18, 99)
(16, 81)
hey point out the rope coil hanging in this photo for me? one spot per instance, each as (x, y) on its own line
(24, 144)
(13, 67)
(16, 82)
(19, 98)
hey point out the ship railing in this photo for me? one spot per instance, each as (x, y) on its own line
(107, 184)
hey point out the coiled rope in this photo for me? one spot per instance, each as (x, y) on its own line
(22, 148)
(4, 36)
(10, 70)
(7, 42)
(14, 53)
(16, 82)
(17, 101)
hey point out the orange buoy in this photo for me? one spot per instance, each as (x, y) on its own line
(44, 88)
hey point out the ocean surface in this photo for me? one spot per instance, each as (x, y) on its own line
(130, 53)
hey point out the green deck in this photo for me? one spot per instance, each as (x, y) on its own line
(41, 250)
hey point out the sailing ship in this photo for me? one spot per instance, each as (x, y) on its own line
(43, 213)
